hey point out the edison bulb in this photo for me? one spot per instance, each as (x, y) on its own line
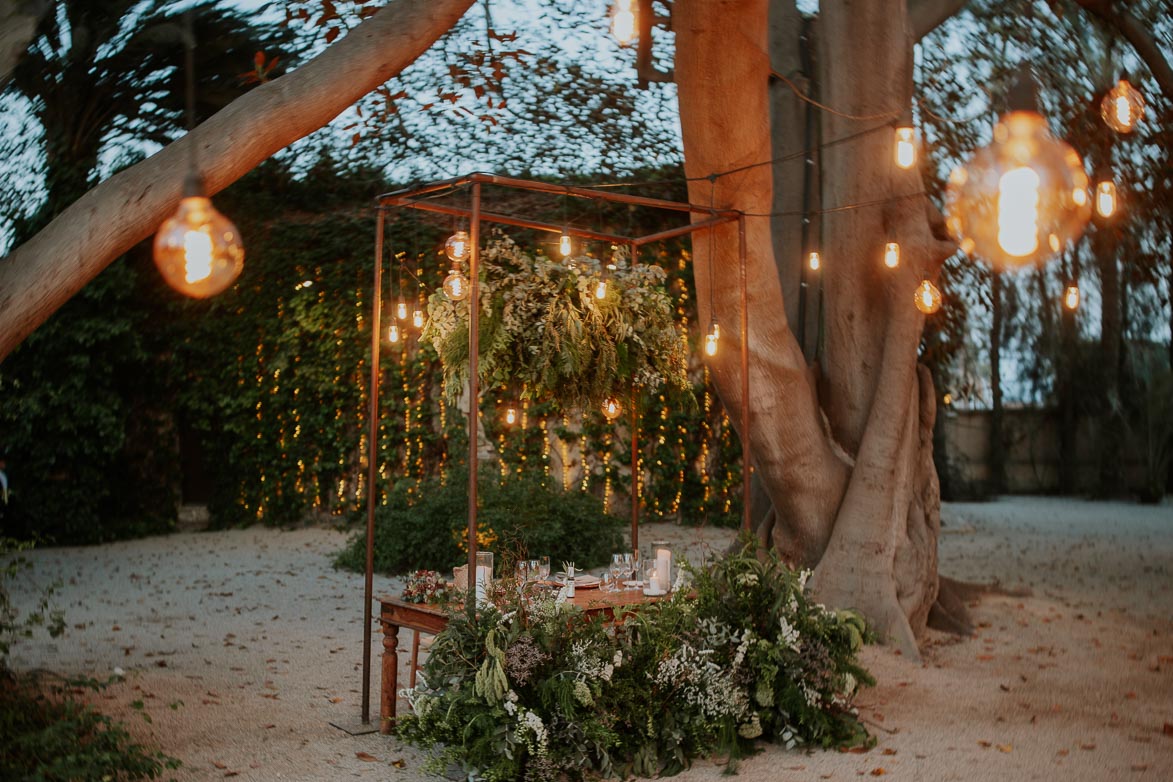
(623, 22)
(565, 245)
(455, 286)
(1123, 107)
(612, 409)
(457, 246)
(813, 261)
(928, 297)
(510, 415)
(417, 319)
(393, 334)
(1105, 199)
(1020, 199)
(601, 289)
(711, 340)
(891, 255)
(401, 310)
(1071, 297)
(198, 250)
(905, 148)
(947, 399)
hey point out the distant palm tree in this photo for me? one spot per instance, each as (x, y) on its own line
(108, 72)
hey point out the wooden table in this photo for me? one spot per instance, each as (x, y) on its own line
(395, 613)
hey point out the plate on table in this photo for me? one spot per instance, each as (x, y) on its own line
(635, 584)
(584, 581)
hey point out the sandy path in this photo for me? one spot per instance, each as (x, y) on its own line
(244, 645)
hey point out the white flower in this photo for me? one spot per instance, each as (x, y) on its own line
(751, 729)
(789, 634)
(617, 660)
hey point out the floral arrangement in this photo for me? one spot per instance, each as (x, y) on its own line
(529, 691)
(543, 329)
(428, 586)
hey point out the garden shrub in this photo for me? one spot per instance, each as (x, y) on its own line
(517, 516)
(536, 691)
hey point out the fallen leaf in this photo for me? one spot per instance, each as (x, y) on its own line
(985, 744)
(367, 757)
(399, 763)
(1140, 766)
(1005, 747)
(1087, 746)
(336, 700)
(888, 751)
(219, 765)
(270, 726)
(878, 772)
(231, 773)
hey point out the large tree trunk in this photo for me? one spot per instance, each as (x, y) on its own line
(846, 459)
(41, 274)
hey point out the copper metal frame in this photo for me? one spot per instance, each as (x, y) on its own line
(413, 198)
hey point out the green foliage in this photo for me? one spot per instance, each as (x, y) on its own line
(537, 691)
(53, 737)
(515, 515)
(544, 330)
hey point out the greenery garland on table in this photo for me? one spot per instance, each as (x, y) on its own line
(533, 692)
(544, 331)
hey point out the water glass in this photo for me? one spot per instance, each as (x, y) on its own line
(544, 568)
(618, 571)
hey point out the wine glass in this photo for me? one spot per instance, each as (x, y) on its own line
(544, 568)
(630, 565)
(522, 573)
(617, 571)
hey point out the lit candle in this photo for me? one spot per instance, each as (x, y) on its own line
(663, 569)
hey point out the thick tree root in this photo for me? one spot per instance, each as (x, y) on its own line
(950, 614)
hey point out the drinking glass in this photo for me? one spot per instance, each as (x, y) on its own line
(618, 570)
(631, 565)
(522, 572)
(534, 570)
(544, 568)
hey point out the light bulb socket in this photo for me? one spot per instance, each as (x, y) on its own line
(1023, 95)
(193, 185)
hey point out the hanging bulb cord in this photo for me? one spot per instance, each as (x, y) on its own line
(193, 184)
(712, 229)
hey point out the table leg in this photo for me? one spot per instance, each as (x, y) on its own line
(390, 679)
(415, 656)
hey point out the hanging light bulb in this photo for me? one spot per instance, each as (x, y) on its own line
(891, 255)
(510, 416)
(1123, 106)
(1071, 296)
(905, 146)
(623, 22)
(417, 319)
(612, 409)
(198, 250)
(928, 297)
(393, 334)
(947, 399)
(1020, 199)
(601, 289)
(401, 310)
(1105, 198)
(457, 246)
(813, 261)
(455, 285)
(712, 338)
(565, 245)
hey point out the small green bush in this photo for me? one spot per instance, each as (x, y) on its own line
(518, 516)
(51, 737)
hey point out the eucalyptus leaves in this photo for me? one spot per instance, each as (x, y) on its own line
(545, 333)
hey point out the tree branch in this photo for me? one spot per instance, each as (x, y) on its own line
(41, 275)
(924, 16)
(1130, 28)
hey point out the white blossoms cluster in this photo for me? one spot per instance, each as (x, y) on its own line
(589, 665)
(810, 694)
(582, 693)
(701, 682)
(747, 579)
(751, 729)
(532, 731)
(788, 633)
(510, 703)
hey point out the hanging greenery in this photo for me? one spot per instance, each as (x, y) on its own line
(544, 330)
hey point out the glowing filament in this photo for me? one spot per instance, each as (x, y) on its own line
(601, 290)
(401, 310)
(612, 409)
(417, 319)
(928, 297)
(455, 286)
(1105, 199)
(623, 22)
(457, 246)
(1018, 211)
(565, 246)
(711, 343)
(197, 255)
(1123, 111)
(1071, 297)
(892, 255)
(813, 261)
(511, 415)
(393, 334)
(905, 148)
